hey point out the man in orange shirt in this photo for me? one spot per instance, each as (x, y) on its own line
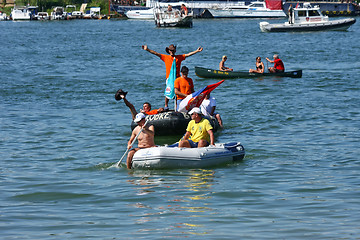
(183, 85)
(168, 60)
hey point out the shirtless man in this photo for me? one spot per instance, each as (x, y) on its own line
(145, 138)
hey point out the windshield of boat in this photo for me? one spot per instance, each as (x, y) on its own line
(302, 13)
(313, 13)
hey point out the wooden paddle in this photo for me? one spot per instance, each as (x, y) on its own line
(119, 162)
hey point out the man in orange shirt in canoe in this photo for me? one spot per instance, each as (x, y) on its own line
(168, 59)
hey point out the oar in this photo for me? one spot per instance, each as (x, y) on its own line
(118, 164)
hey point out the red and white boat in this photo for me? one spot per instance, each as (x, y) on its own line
(267, 9)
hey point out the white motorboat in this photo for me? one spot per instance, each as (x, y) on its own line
(3, 16)
(20, 13)
(140, 14)
(43, 16)
(77, 14)
(93, 13)
(58, 13)
(307, 18)
(166, 157)
(174, 18)
(265, 9)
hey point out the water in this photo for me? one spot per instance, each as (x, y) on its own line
(61, 130)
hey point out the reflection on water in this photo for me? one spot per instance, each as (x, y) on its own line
(191, 188)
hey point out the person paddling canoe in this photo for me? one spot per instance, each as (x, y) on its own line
(278, 64)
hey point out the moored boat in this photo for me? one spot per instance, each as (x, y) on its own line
(58, 13)
(3, 16)
(43, 16)
(267, 9)
(174, 18)
(307, 18)
(140, 14)
(93, 13)
(172, 123)
(217, 74)
(166, 157)
(20, 14)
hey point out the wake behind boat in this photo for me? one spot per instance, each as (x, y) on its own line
(166, 157)
(267, 9)
(307, 18)
(217, 74)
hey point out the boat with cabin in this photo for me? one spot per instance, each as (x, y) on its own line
(172, 18)
(267, 9)
(3, 16)
(93, 13)
(58, 13)
(218, 74)
(173, 157)
(307, 18)
(43, 16)
(145, 14)
(24, 13)
(200, 7)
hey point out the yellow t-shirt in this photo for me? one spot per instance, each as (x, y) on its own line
(199, 130)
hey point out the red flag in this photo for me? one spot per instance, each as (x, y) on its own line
(195, 99)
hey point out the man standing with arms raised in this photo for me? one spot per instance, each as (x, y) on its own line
(168, 60)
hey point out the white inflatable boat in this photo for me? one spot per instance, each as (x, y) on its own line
(167, 157)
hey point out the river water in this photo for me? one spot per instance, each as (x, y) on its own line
(62, 130)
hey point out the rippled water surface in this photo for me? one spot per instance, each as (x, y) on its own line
(61, 131)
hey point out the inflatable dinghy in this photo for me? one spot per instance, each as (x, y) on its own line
(172, 123)
(166, 157)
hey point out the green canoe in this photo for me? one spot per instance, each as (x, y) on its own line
(212, 73)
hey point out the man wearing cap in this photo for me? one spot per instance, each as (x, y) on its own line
(168, 59)
(145, 138)
(199, 129)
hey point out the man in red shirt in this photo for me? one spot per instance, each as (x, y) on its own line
(168, 59)
(278, 64)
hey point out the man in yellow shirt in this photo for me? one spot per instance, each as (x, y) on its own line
(199, 129)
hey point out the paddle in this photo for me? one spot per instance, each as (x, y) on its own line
(119, 162)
